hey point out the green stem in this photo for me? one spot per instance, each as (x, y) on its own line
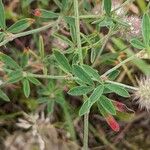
(85, 137)
(77, 24)
(14, 36)
(102, 48)
(123, 4)
(49, 76)
(123, 85)
(119, 65)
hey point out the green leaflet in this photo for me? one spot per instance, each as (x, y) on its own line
(34, 80)
(3, 96)
(80, 90)
(15, 76)
(137, 44)
(26, 87)
(146, 28)
(41, 47)
(97, 93)
(113, 75)
(107, 105)
(2, 16)
(82, 75)
(107, 6)
(92, 72)
(62, 61)
(20, 25)
(47, 14)
(8, 61)
(118, 90)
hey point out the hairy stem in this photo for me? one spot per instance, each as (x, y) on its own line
(77, 24)
(86, 124)
(14, 36)
(119, 65)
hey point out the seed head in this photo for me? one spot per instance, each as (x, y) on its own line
(143, 93)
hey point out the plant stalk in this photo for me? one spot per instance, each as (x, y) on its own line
(14, 36)
(86, 128)
(77, 24)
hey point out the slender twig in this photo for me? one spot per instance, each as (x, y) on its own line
(49, 76)
(86, 128)
(123, 4)
(123, 85)
(102, 48)
(77, 24)
(14, 36)
(119, 65)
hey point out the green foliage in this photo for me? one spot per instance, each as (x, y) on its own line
(2, 16)
(47, 14)
(26, 87)
(97, 93)
(107, 6)
(20, 25)
(82, 75)
(137, 43)
(15, 76)
(107, 105)
(62, 61)
(70, 58)
(146, 29)
(118, 90)
(3, 96)
(8, 61)
(80, 90)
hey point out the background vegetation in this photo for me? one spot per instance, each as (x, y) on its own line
(60, 60)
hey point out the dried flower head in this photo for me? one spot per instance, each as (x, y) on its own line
(133, 29)
(135, 25)
(143, 93)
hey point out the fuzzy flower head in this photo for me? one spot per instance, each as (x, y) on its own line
(143, 93)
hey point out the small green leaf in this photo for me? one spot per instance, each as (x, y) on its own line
(8, 61)
(82, 75)
(41, 47)
(113, 75)
(15, 76)
(25, 58)
(93, 55)
(34, 80)
(64, 39)
(46, 14)
(86, 5)
(26, 87)
(3, 96)
(118, 90)
(2, 16)
(107, 105)
(101, 109)
(92, 72)
(137, 44)
(146, 28)
(97, 93)
(50, 106)
(20, 25)
(62, 61)
(107, 6)
(84, 108)
(80, 90)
